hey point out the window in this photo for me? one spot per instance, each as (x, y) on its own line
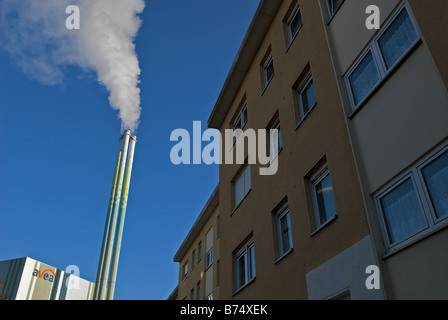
(307, 97)
(209, 258)
(192, 294)
(193, 259)
(402, 211)
(242, 186)
(284, 231)
(294, 23)
(364, 78)
(323, 199)
(185, 271)
(240, 121)
(276, 126)
(218, 226)
(199, 251)
(333, 6)
(198, 291)
(245, 265)
(268, 70)
(397, 39)
(417, 203)
(435, 177)
(385, 53)
(218, 272)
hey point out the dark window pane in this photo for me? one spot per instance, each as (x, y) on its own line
(364, 78)
(295, 24)
(402, 212)
(308, 98)
(397, 39)
(284, 229)
(436, 178)
(325, 199)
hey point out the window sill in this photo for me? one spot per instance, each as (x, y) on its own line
(283, 255)
(416, 239)
(322, 226)
(291, 41)
(272, 160)
(244, 286)
(236, 138)
(242, 200)
(305, 116)
(267, 85)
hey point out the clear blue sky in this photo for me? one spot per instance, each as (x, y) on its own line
(58, 147)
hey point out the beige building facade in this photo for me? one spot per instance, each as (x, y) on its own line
(198, 256)
(357, 208)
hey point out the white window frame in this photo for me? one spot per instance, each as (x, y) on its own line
(300, 93)
(241, 118)
(267, 79)
(433, 223)
(315, 180)
(274, 153)
(294, 14)
(247, 186)
(283, 212)
(198, 290)
(248, 264)
(199, 251)
(208, 259)
(185, 271)
(378, 59)
(381, 75)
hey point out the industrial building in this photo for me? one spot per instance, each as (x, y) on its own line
(362, 161)
(29, 279)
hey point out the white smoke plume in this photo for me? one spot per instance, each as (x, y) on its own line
(35, 34)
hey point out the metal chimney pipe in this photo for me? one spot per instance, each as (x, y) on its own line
(99, 274)
(121, 218)
(102, 291)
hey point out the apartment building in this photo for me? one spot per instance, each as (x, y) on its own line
(198, 256)
(393, 85)
(301, 233)
(362, 156)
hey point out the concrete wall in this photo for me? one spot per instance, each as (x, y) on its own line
(345, 275)
(400, 124)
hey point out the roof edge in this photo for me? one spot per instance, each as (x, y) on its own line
(206, 212)
(254, 36)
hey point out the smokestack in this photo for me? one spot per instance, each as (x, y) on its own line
(113, 232)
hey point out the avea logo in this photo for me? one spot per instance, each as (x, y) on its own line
(45, 274)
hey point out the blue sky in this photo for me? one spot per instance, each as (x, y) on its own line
(58, 147)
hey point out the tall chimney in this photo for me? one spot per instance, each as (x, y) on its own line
(113, 231)
(121, 216)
